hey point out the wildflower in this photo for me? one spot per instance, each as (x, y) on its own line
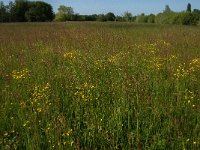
(194, 65)
(40, 98)
(69, 55)
(117, 58)
(155, 63)
(85, 92)
(181, 72)
(22, 74)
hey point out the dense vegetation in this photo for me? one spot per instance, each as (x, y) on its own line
(23, 10)
(37, 11)
(99, 86)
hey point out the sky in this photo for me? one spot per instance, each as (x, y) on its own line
(136, 7)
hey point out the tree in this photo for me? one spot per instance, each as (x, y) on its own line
(197, 12)
(4, 16)
(151, 18)
(166, 17)
(64, 13)
(142, 18)
(89, 17)
(127, 16)
(101, 18)
(189, 8)
(65, 10)
(190, 19)
(39, 11)
(19, 9)
(110, 16)
(11, 11)
(119, 18)
(167, 9)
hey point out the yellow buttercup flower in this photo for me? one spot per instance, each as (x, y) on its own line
(22, 74)
(85, 92)
(40, 98)
(181, 72)
(70, 55)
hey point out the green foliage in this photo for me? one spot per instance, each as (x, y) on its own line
(65, 13)
(190, 19)
(4, 15)
(65, 10)
(142, 18)
(19, 9)
(167, 9)
(178, 18)
(166, 17)
(101, 18)
(60, 17)
(39, 11)
(110, 16)
(184, 18)
(89, 17)
(24, 10)
(127, 16)
(151, 18)
(119, 18)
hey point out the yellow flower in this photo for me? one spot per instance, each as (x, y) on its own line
(22, 74)
(194, 65)
(69, 55)
(6, 134)
(85, 92)
(181, 72)
(39, 109)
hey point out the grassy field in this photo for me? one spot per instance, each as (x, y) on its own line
(99, 86)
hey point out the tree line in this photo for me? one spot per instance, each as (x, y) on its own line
(26, 11)
(39, 11)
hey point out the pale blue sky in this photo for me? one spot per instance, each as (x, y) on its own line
(120, 6)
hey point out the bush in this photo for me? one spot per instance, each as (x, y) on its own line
(190, 19)
(60, 17)
(184, 18)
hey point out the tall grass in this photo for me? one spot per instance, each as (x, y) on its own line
(99, 86)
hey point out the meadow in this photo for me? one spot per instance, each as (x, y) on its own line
(92, 86)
